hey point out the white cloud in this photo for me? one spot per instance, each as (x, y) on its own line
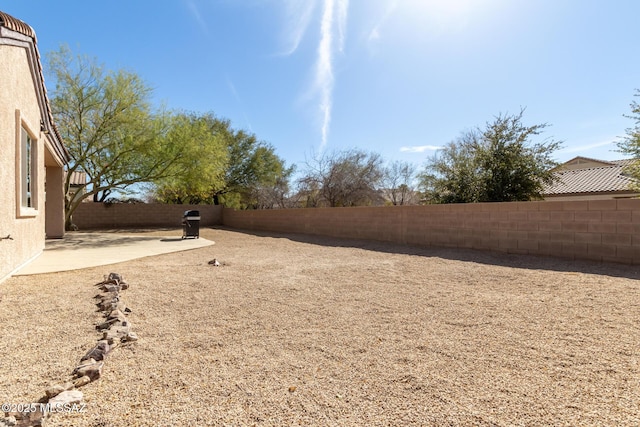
(419, 148)
(234, 92)
(193, 8)
(375, 34)
(343, 7)
(587, 147)
(333, 23)
(299, 15)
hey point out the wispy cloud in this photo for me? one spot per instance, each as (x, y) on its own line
(375, 34)
(333, 23)
(343, 9)
(235, 94)
(420, 148)
(193, 8)
(587, 147)
(298, 17)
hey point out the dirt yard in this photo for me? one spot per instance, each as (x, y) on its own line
(295, 330)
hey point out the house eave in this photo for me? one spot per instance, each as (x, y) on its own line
(613, 194)
(14, 32)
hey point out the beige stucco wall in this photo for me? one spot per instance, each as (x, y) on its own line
(18, 103)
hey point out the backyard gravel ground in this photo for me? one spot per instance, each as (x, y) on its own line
(299, 330)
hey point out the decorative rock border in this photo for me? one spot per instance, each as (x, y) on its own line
(116, 330)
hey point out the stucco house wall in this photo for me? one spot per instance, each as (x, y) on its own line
(24, 108)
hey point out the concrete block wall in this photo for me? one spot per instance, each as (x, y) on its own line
(599, 230)
(128, 215)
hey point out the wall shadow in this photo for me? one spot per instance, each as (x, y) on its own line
(530, 262)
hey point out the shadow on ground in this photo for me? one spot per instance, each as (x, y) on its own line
(106, 239)
(531, 262)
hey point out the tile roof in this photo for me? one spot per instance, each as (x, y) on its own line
(603, 179)
(78, 178)
(21, 27)
(17, 25)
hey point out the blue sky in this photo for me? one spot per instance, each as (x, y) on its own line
(398, 77)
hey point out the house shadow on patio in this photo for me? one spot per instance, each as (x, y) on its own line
(91, 249)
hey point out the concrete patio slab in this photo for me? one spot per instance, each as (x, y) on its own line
(83, 250)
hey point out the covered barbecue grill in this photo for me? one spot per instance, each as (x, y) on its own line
(191, 224)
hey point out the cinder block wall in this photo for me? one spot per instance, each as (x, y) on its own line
(600, 230)
(118, 215)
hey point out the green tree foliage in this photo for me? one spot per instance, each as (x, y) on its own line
(347, 178)
(497, 164)
(106, 122)
(222, 166)
(630, 145)
(200, 171)
(253, 167)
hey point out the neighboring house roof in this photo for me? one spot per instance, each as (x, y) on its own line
(78, 178)
(8, 22)
(595, 176)
(583, 163)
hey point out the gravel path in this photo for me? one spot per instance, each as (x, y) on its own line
(296, 330)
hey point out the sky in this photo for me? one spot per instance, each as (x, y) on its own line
(397, 77)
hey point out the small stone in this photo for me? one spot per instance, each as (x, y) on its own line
(107, 304)
(115, 276)
(122, 307)
(107, 295)
(122, 329)
(54, 390)
(8, 422)
(108, 324)
(99, 352)
(86, 362)
(93, 371)
(111, 288)
(115, 333)
(82, 381)
(83, 364)
(131, 336)
(110, 296)
(29, 419)
(67, 397)
(117, 314)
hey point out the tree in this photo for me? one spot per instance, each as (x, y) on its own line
(453, 175)
(200, 171)
(398, 182)
(221, 166)
(630, 145)
(106, 122)
(272, 191)
(497, 164)
(253, 166)
(348, 178)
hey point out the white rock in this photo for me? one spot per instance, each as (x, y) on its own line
(67, 397)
